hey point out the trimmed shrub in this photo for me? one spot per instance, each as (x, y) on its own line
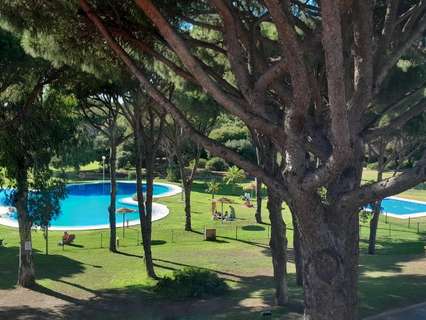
(216, 164)
(201, 163)
(244, 147)
(191, 283)
(131, 175)
(229, 132)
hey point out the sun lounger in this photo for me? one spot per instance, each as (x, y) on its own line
(67, 239)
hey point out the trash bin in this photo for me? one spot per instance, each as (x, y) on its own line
(210, 234)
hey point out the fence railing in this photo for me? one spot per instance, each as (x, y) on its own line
(252, 233)
(131, 237)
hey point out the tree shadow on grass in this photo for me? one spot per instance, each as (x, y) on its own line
(158, 242)
(52, 267)
(247, 299)
(253, 227)
(129, 254)
(378, 294)
(28, 313)
(390, 255)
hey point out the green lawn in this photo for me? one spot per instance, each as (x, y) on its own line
(395, 277)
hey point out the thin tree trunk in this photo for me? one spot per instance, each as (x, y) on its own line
(186, 186)
(187, 180)
(26, 272)
(46, 239)
(258, 214)
(143, 215)
(147, 223)
(374, 222)
(113, 195)
(187, 191)
(330, 261)
(298, 258)
(278, 244)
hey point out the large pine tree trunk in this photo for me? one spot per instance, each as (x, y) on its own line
(26, 272)
(374, 222)
(258, 214)
(113, 195)
(330, 260)
(278, 244)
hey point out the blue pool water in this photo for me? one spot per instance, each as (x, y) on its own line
(87, 204)
(402, 207)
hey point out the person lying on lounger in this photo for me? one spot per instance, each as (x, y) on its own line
(248, 204)
(67, 239)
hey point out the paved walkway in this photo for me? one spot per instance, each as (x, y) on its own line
(414, 312)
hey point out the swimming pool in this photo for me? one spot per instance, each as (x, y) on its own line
(403, 208)
(86, 205)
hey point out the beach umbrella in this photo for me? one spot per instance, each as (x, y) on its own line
(123, 211)
(223, 200)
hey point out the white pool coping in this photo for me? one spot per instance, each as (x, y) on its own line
(404, 216)
(159, 211)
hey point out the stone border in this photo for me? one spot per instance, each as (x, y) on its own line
(159, 211)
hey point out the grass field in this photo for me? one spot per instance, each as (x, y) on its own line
(88, 272)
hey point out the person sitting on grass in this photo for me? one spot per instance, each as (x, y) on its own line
(216, 215)
(226, 215)
(232, 213)
(246, 196)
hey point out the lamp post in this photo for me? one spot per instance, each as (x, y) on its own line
(103, 172)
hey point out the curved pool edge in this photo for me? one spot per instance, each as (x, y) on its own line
(159, 211)
(174, 189)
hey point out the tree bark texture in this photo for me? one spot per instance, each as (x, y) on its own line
(26, 269)
(143, 212)
(278, 245)
(298, 257)
(329, 242)
(113, 195)
(258, 214)
(374, 223)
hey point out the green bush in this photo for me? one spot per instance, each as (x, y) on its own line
(201, 163)
(216, 164)
(172, 173)
(244, 147)
(421, 186)
(191, 283)
(131, 175)
(227, 133)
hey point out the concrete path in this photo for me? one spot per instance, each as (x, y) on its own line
(414, 312)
